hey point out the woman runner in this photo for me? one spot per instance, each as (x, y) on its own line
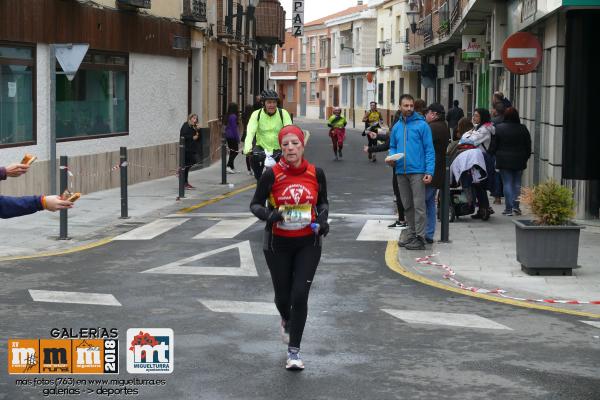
(296, 218)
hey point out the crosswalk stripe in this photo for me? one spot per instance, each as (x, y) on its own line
(226, 229)
(50, 296)
(151, 230)
(592, 323)
(447, 319)
(377, 230)
(240, 307)
(179, 267)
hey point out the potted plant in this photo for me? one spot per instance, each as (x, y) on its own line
(550, 243)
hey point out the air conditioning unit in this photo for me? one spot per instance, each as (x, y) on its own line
(464, 76)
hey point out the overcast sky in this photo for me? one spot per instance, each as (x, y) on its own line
(315, 9)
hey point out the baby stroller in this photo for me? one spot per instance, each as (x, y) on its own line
(467, 166)
(461, 203)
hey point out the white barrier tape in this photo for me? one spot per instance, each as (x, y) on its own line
(500, 292)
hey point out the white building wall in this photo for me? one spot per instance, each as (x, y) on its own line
(157, 108)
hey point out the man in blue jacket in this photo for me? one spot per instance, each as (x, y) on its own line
(411, 135)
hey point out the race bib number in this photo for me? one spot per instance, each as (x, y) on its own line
(295, 217)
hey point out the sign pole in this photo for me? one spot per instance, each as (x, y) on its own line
(52, 167)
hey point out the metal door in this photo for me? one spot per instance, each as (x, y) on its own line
(303, 99)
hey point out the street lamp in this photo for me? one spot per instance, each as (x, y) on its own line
(412, 16)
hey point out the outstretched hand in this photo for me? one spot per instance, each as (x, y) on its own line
(14, 170)
(55, 203)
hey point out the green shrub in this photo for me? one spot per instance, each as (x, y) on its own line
(551, 203)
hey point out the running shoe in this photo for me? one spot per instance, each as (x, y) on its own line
(284, 330)
(517, 211)
(397, 225)
(340, 153)
(294, 361)
(231, 170)
(508, 213)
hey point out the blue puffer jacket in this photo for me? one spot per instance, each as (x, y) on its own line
(17, 206)
(413, 138)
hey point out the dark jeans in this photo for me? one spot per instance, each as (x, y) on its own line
(512, 188)
(399, 205)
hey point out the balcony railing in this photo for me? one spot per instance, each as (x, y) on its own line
(427, 29)
(194, 11)
(346, 57)
(284, 67)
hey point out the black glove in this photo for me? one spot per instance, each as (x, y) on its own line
(275, 216)
(324, 229)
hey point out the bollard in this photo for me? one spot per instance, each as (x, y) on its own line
(123, 169)
(445, 204)
(63, 186)
(223, 161)
(181, 167)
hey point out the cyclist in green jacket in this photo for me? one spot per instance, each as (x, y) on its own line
(337, 132)
(265, 124)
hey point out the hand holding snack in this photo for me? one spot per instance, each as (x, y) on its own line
(14, 170)
(28, 159)
(55, 203)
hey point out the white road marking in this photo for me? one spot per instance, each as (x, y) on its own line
(448, 319)
(249, 214)
(246, 268)
(240, 307)
(151, 230)
(595, 324)
(377, 230)
(227, 229)
(51, 296)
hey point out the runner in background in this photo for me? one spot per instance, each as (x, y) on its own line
(337, 131)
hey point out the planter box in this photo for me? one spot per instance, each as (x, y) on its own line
(543, 249)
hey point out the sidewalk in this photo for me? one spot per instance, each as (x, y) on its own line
(483, 255)
(96, 216)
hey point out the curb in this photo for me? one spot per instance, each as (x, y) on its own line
(391, 260)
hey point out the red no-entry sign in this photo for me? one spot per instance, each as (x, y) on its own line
(521, 53)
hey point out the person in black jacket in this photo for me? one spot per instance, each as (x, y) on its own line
(512, 149)
(189, 131)
(454, 115)
(385, 146)
(434, 115)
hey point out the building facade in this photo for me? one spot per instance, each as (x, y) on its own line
(555, 101)
(148, 66)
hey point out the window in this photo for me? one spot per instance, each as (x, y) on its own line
(95, 101)
(357, 41)
(397, 30)
(334, 52)
(359, 92)
(344, 91)
(380, 93)
(392, 92)
(313, 51)
(323, 53)
(401, 88)
(17, 100)
(303, 54)
(313, 91)
(290, 93)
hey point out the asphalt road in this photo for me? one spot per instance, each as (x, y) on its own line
(352, 348)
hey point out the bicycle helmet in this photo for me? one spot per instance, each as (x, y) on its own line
(269, 95)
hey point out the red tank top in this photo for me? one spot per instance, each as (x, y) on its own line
(294, 189)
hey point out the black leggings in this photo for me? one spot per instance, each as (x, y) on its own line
(293, 264)
(232, 144)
